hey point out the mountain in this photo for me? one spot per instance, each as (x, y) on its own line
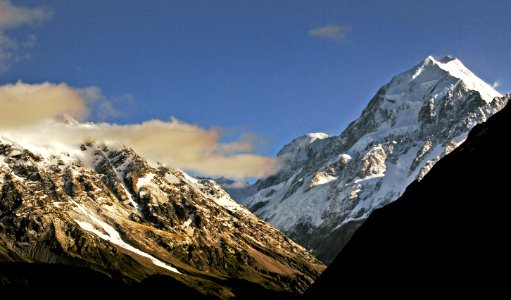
(446, 235)
(106, 208)
(236, 189)
(328, 185)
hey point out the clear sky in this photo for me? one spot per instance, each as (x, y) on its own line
(276, 68)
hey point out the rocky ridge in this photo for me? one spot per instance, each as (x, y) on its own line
(106, 208)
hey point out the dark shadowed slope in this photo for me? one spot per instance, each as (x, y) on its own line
(59, 281)
(448, 234)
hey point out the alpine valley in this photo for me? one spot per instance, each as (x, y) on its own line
(328, 185)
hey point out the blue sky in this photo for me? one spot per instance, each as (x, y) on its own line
(275, 68)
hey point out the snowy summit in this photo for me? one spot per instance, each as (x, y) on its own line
(329, 185)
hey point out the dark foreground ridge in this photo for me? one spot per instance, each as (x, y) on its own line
(61, 281)
(447, 235)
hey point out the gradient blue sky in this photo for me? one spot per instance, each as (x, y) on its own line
(258, 66)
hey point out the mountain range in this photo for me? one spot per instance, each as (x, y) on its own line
(328, 185)
(101, 214)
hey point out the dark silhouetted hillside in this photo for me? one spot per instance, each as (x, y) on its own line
(447, 235)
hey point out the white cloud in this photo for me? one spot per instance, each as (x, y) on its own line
(31, 111)
(22, 103)
(102, 107)
(11, 17)
(496, 84)
(332, 32)
(15, 16)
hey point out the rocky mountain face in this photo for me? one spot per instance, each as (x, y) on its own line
(106, 208)
(329, 185)
(447, 235)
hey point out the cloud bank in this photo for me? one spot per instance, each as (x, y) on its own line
(11, 17)
(29, 112)
(332, 32)
(22, 103)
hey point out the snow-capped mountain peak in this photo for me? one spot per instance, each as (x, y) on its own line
(328, 185)
(454, 68)
(440, 76)
(416, 98)
(457, 69)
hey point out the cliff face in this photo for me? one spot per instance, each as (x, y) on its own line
(447, 234)
(105, 208)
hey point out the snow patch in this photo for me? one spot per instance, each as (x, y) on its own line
(358, 180)
(172, 178)
(187, 228)
(221, 197)
(226, 202)
(458, 70)
(114, 237)
(317, 135)
(144, 180)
